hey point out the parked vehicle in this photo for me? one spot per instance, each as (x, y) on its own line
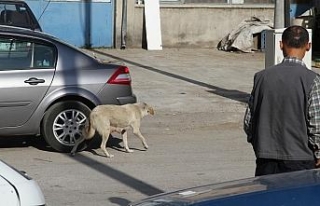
(48, 87)
(292, 189)
(18, 13)
(17, 188)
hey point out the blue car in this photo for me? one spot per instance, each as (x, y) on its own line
(287, 189)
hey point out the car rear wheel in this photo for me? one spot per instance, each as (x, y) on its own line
(62, 125)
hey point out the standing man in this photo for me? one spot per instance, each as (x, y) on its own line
(282, 120)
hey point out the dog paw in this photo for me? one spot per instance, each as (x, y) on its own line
(129, 150)
(72, 154)
(110, 155)
(146, 146)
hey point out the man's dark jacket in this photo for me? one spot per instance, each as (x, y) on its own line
(280, 101)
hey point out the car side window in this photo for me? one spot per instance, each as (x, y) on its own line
(20, 54)
(15, 54)
(43, 56)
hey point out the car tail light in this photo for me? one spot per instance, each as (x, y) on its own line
(121, 76)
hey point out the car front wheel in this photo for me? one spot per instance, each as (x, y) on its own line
(62, 124)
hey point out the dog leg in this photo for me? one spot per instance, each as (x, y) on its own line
(103, 145)
(75, 147)
(124, 134)
(143, 140)
(136, 131)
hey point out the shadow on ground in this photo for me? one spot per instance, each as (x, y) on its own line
(39, 143)
(25, 141)
(227, 93)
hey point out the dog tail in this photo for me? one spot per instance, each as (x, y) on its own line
(89, 131)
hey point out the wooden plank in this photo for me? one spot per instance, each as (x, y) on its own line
(153, 26)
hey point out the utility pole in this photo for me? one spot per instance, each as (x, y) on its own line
(279, 14)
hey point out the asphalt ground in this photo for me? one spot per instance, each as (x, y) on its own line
(195, 136)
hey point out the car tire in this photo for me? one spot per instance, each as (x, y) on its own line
(62, 125)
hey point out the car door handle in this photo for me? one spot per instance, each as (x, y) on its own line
(34, 81)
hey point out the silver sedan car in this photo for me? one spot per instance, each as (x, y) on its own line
(48, 87)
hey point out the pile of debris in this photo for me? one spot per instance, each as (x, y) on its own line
(241, 38)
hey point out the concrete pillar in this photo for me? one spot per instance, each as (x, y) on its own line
(117, 23)
(279, 14)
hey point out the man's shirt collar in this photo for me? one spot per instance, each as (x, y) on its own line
(294, 60)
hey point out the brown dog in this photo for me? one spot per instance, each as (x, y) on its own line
(106, 119)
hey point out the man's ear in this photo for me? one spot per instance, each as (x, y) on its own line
(281, 45)
(308, 46)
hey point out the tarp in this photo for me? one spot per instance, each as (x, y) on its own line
(241, 37)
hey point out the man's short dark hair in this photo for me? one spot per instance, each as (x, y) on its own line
(295, 36)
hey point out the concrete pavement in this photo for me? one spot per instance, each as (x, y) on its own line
(199, 96)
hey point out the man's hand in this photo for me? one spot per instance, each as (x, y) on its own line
(317, 163)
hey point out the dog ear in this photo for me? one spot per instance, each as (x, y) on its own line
(144, 105)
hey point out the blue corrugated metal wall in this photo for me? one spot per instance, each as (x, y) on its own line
(81, 23)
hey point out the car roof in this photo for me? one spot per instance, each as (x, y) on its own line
(23, 31)
(10, 31)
